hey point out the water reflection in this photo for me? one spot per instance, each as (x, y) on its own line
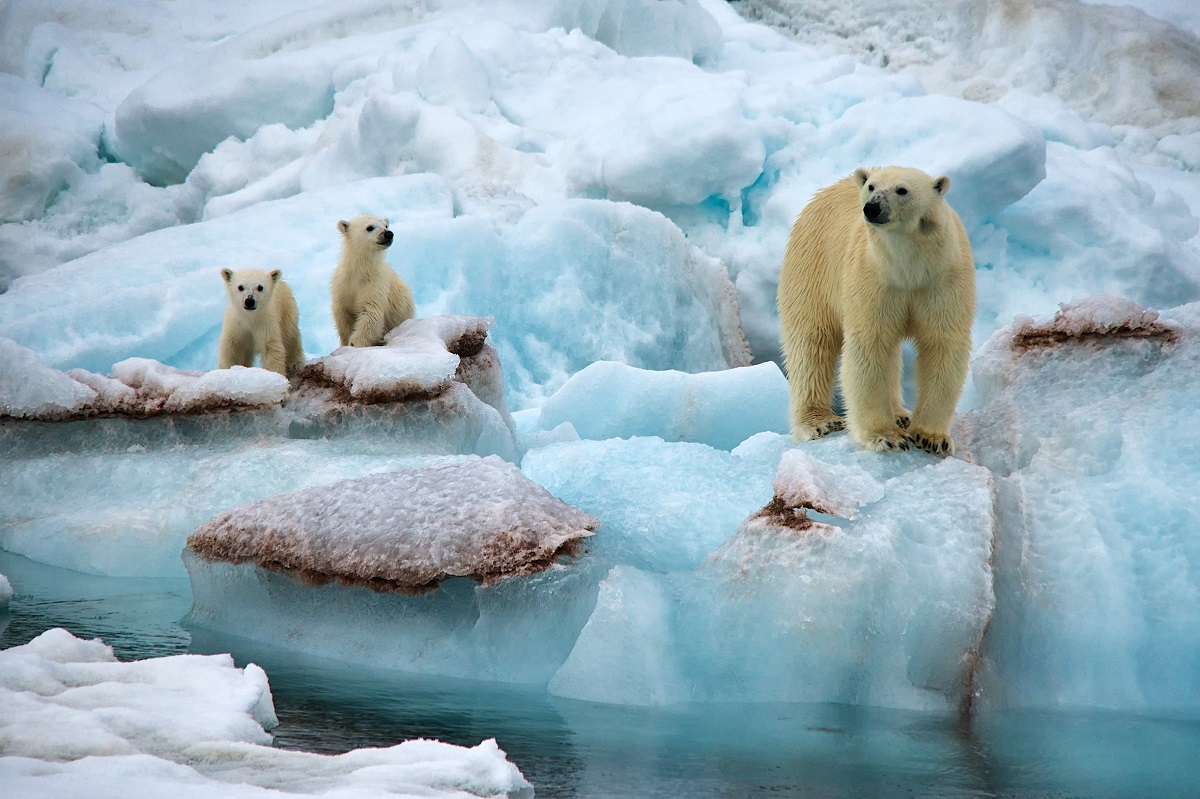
(576, 750)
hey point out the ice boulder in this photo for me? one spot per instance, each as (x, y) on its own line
(884, 603)
(74, 721)
(460, 569)
(1087, 419)
(721, 409)
(403, 531)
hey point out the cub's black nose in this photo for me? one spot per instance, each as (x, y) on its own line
(250, 304)
(387, 237)
(872, 211)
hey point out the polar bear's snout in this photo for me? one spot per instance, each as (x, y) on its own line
(249, 303)
(876, 211)
(385, 238)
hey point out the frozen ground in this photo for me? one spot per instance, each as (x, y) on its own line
(612, 182)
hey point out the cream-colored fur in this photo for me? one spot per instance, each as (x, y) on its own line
(858, 288)
(369, 298)
(260, 319)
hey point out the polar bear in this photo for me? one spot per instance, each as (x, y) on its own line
(260, 319)
(874, 259)
(369, 298)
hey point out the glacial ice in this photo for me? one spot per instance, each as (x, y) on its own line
(75, 720)
(721, 409)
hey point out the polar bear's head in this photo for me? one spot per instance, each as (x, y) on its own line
(366, 233)
(899, 196)
(250, 289)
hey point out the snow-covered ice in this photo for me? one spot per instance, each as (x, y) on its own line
(76, 721)
(403, 531)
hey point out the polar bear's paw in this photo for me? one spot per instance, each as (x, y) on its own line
(818, 426)
(936, 443)
(886, 441)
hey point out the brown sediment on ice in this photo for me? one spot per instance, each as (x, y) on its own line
(403, 531)
(782, 513)
(1080, 323)
(316, 381)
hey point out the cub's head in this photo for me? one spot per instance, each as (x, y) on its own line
(897, 196)
(250, 289)
(366, 232)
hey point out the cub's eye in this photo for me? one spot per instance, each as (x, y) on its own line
(870, 187)
(241, 288)
(370, 228)
(260, 288)
(902, 190)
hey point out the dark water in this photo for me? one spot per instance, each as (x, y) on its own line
(583, 751)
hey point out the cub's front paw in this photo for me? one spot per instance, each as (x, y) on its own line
(936, 443)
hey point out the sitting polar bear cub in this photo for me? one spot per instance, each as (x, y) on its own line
(369, 298)
(876, 258)
(260, 319)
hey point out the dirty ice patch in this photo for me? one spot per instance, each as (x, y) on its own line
(886, 609)
(721, 409)
(403, 531)
(1087, 420)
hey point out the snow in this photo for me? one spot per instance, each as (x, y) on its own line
(78, 721)
(590, 201)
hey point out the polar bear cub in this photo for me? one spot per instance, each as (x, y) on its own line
(261, 318)
(369, 298)
(874, 259)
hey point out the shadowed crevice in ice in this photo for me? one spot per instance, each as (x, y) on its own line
(1096, 320)
(805, 484)
(403, 531)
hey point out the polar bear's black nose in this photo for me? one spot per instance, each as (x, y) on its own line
(874, 212)
(386, 236)
(249, 304)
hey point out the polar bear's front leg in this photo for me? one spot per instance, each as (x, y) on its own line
(368, 328)
(870, 385)
(941, 373)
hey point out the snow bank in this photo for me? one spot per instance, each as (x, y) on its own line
(721, 409)
(1086, 419)
(403, 531)
(76, 721)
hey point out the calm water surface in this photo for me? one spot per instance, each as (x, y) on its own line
(578, 750)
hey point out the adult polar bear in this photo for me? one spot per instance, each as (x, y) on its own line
(874, 259)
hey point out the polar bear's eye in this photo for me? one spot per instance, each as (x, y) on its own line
(870, 187)
(902, 190)
(241, 288)
(370, 228)
(260, 288)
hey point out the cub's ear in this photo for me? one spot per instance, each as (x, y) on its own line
(344, 227)
(275, 275)
(942, 185)
(861, 176)
(227, 275)
(386, 222)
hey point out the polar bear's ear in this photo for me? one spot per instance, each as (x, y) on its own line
(227, 275)
(275, 275)
(861, 176)
(942, 185)
(344, 227)
(385, 222)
